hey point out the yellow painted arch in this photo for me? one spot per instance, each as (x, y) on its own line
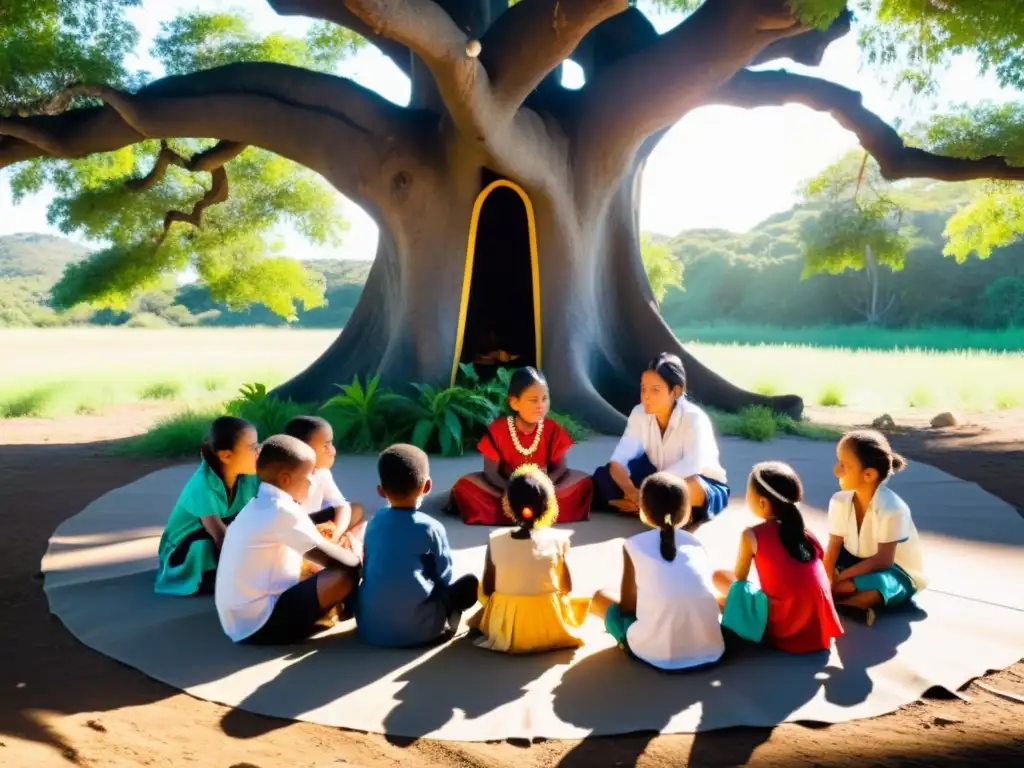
(467, 277)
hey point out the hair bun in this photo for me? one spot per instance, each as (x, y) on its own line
(898, 463)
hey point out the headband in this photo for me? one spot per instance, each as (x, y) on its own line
(771, 491)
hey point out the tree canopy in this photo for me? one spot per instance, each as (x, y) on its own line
(153, 185)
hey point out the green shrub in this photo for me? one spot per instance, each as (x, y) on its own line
(578, 431)
(367, 418)
(753, 424)
(1007, 399)
(176, 436)
(787, 425)
(831, 396)
(920, 397)
(449, 418)
(495, 389)
(212, 384)
(161, 390)
(265, 412)
(34, 402)
(757, 422)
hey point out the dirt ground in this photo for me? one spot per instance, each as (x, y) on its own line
(62, 704)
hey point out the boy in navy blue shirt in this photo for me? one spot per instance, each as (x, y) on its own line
(407, 597)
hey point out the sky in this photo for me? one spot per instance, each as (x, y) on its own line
(719, 167)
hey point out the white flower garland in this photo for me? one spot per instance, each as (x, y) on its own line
(514, 433)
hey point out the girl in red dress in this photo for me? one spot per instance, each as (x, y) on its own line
(793, 611)
(526, 437)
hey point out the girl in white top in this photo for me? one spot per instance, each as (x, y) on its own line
(874, 553)
(665, 433)
(344, 523)
(667, 611)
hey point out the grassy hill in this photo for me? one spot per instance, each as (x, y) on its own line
(34, 255)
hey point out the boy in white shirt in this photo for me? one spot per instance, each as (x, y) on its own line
(874, 553)
(259, 595)
(326, 503)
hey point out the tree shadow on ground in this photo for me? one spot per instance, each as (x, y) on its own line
(300, 687)
(465, 680)
(647, 701)
(753, 685)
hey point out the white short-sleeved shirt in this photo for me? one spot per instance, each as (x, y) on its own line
(677, 615)
(687, 448)
(887, 519)
(262, 557)
(324, 493)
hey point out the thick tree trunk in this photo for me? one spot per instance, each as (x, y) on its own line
(599, 321)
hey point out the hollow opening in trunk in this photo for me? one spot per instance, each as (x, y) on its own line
(500, 318)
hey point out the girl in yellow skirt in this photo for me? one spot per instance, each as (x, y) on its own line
(526, 584)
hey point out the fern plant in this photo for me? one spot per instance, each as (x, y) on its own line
(366, 418)
(449, 417)
(268, 414)
(495, 389)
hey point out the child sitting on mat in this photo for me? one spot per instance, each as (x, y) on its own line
(525, 437)
(224, 483)
(665, 433)
(667, 611)
(407, 597)
(260, 596)
(526, 583)
(793, 609)
(344, 522)
(874, 554)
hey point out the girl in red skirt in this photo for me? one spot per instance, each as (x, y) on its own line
(526, 437)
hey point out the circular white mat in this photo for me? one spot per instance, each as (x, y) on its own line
(99, 581)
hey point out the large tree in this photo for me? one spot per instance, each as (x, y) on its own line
(487, 105)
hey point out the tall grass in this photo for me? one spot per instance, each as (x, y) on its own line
(858, 337)
(176, 436)
(66, 371)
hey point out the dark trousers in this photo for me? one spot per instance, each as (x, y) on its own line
(461, 594)
(605, 489)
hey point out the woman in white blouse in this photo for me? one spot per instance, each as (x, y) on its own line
(665, 433)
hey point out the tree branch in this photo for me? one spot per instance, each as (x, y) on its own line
(807, 48)
(336, 12)
(621, 35)
(532, 38)
(323, 122)
(895, 159)
(429, 32)
(218, 193)
(207, 161)
(654, 88)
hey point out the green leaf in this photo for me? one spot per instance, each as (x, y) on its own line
(448, 444)
(451, 421)
(422, 432)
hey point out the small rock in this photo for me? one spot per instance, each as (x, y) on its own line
(945, 419)
(96, 725)
(884, 422)
(948, 721)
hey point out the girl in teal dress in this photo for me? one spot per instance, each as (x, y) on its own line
(224, 483)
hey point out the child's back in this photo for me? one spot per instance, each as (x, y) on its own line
(406, 566)
(407, 596)
(677, 614)
(801, 616)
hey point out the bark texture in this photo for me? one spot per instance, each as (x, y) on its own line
(487, 102)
